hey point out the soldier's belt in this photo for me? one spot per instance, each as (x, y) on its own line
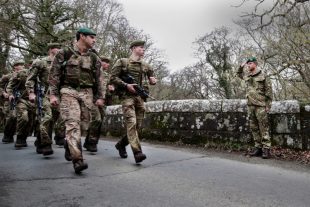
(78, 88)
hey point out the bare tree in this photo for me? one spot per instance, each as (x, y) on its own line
(34, 23)
(215, 50)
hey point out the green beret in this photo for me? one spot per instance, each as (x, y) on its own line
(105, 59)
(19, 62)
(53, 45)
(251, 59)
(86, 31)
(137, 43)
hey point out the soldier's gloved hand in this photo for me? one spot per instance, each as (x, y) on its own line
(11, 97)
(54, 101)
(32, 97)
(130, 88)
(99, 102)
(153, 80)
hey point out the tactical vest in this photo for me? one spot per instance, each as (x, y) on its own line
(79, 70)
(136, 70)
(43, 74)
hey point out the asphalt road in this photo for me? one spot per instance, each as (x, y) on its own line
(170, 176)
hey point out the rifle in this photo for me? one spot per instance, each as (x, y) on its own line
(140, 91)
(16, 94)
(40, 96)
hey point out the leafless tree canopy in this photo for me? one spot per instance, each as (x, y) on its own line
(277, 34)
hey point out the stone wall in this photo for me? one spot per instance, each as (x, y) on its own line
(215, 122)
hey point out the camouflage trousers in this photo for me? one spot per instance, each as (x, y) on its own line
(94, 127)
(58, 124)
(259, 126)
(2, 116)
(10, 119)
(50, 120)
(25, 112)
(45, 123)
(133, 112)
(76, 106)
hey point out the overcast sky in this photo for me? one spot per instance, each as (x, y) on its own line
(175, 24)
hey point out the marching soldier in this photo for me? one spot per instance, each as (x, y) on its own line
(9, 115)
(37, 85)
(132, 104)
(92, 139)
(76, 77)
(24, 108)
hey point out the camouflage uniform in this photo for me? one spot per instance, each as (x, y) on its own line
(38, 77)
(10, 115)
(59, 126)
(78, 84)
(25, 110)
(94, 125)
(93, 134)
(132, 104)
(259, 95)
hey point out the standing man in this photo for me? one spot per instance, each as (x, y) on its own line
(259, 95)
(75, 78)
(25, 109)
(37, 85)
(132, 104)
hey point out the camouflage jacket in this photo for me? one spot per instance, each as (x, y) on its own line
(39, 71)
(259, 90)
(105, 83)
(71, 69)
(17, 82)
(139, 70)
(4, 82)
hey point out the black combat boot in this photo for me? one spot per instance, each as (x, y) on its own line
(68, 156)
(37, 144)
(121, 146)
(20, 142)
(257, 152)
(121, 150)
(266, 153)
(39, 149)
(91, 147)
(79, 166)
(86, 143)
(7, 139)
(60, 141)
(24, 141)
(139, 157)
(47, 150)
